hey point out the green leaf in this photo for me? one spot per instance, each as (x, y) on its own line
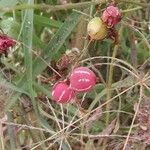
(9, 85)
(7, 3)
(56, 42)
(27, 40)
(46, 22)
(42, 89)
(37, 43)
(10, 26)
(11, 101)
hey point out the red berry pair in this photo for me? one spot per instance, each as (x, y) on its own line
(82, 79)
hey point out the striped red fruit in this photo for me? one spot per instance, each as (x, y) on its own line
(62, 93)
(82, 79)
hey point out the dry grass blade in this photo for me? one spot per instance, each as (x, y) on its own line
(133, 120)
(93, 117)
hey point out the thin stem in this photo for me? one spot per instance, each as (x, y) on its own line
(109, 92)
(110, 73)
(52, 8)
(48, 8)
(109, 82)
(91, 136)
(133, 120)
(135, 3)
(131, 9)
(83, 53)
(110, 78)
(11, 132)
(52, 109)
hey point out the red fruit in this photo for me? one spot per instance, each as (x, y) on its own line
(62, 93)
(82, 79)
(111, 16)
(5, 43)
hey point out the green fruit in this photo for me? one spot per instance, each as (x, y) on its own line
(97, 29)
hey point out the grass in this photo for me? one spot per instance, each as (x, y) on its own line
(113, 115)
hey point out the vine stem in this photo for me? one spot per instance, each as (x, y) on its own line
(52, 8)
(109, 83)
(110, 80)
(83, 53)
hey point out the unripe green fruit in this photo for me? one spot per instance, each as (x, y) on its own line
(97, 29)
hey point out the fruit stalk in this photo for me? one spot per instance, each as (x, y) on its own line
(110, 80)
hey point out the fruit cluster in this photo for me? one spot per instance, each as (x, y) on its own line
(82, 79)
(99, 27)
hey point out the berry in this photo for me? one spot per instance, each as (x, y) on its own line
(61, 92)
(111, 16)
(96, 28)
(82, 79)
(5, 43)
